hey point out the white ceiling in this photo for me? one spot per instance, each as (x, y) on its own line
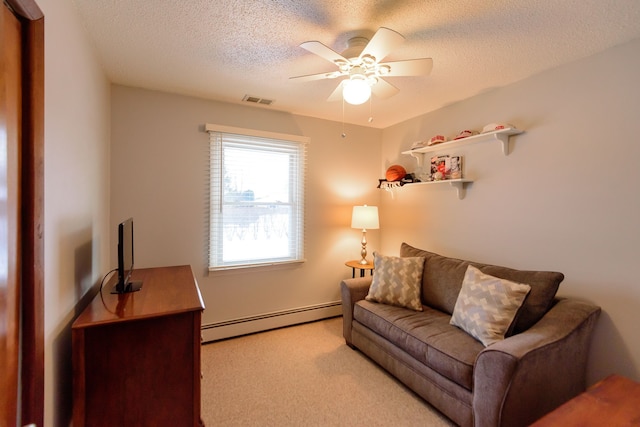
(226, 49)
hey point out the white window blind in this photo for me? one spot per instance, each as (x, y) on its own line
(257, 182)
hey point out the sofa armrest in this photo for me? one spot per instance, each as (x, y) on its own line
(531, 373)
(352, 291)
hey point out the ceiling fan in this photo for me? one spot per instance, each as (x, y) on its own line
(360, 67)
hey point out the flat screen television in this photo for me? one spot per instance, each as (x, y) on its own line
(125, 259)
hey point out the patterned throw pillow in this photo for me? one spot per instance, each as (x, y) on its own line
(397, 281)
(487, 306)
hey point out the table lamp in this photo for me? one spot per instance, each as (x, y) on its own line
(365, 217)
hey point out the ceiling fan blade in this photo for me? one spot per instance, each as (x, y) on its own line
(336, 95)
(323, 52)
(383, 89)
(409, 67)
(382, 43)
(319, 76)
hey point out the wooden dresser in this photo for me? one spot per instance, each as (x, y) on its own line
(136, 356)
(614, 401)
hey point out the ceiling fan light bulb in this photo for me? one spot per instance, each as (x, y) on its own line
(356, 91)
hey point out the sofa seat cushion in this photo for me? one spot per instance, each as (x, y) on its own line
(425, 335)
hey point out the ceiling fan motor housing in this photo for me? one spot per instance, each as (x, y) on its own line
(355, 46)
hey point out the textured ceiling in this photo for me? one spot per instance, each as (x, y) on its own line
(226, 49)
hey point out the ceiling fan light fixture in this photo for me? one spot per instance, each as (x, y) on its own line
(368, 60)
(342, 65)
(384, 70)
(356, 91)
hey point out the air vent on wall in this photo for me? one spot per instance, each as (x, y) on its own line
(257, 100)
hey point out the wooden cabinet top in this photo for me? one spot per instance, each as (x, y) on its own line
(165, 290)
(614, 401)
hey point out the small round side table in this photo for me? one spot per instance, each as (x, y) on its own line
(355, 264)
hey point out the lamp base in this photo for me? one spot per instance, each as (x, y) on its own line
(363, 251)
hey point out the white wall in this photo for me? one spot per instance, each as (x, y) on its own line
(77, 128)
(566, 198)
(160, 178)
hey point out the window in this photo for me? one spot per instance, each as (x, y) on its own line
(256, 198)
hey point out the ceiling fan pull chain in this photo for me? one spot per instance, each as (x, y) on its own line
(344, 135)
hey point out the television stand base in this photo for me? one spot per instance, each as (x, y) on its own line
(131, 287)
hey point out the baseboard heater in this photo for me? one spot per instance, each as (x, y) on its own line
(262, 322)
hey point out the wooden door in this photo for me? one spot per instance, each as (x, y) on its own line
(10, 109)
(21, 213)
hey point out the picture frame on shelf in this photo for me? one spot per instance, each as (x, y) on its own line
(446, 167)
(455, 168)
(439, 167)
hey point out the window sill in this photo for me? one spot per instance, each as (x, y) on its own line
(265, 266)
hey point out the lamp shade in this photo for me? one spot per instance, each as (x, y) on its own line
(356, 91)
(365, 217)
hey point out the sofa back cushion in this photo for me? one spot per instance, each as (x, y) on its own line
(442, 280)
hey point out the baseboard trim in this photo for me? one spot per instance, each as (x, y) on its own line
(263, 322)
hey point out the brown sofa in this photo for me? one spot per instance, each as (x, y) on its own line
(512, 382)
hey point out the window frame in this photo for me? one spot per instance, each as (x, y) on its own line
(255, 140)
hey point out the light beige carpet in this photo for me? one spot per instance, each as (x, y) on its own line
(304, 375)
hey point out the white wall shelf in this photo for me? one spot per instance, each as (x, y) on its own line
(459, 184)
(501, 135)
